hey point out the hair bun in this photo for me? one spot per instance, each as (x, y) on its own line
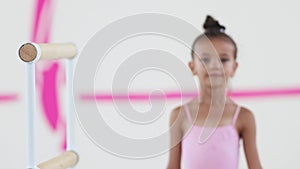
(212, 26)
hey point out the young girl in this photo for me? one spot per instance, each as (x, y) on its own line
(213, 62)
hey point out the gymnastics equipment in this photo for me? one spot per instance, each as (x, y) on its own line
(31, 53)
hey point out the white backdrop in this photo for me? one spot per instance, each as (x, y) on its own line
(266, 32)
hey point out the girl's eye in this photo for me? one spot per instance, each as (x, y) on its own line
(205, 60)
(224, 60)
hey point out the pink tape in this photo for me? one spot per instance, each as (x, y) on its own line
(281, 92)
(239, 94)
(8, 97)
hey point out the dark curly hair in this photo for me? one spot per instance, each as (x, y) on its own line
(213, 29)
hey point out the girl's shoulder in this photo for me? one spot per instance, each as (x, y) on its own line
(176, 114)
(245, 114)
(179, 113)
(245, 120)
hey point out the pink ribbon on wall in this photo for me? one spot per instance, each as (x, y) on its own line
(8, 97)
(176, 95)
(48, 82)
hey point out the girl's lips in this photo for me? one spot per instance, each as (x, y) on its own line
(216, 74)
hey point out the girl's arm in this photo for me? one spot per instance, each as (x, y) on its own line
(175, 137)
(248, 133)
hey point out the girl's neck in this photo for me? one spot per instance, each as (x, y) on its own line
(212, 95)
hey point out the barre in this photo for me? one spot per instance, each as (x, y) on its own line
(64, 161)
(32, 52)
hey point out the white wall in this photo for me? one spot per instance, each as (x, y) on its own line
(267, 34)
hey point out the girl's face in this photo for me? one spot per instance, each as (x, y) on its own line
(213, 62)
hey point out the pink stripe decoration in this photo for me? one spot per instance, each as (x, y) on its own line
(284, 92)
(173, 95)
(8, 97)
(137, 96)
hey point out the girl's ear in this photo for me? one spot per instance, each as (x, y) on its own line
(235, 66)
(192, 67)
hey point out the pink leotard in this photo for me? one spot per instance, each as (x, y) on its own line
(220, 151)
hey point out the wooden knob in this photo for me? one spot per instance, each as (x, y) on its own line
(28, 52)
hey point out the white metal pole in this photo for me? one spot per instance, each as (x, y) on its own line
(30, 102)
(70, 105)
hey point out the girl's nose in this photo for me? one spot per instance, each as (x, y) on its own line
(215, 63)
